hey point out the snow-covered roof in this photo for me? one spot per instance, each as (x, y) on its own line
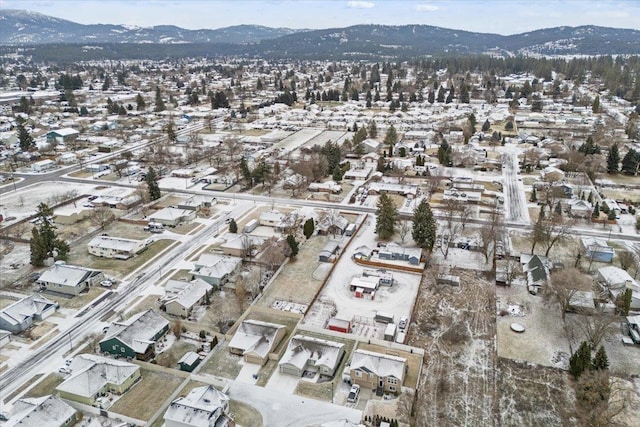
(189, 358)
(138, 331)
(40, 411)
(28, 307)
(383, 365)
(190, 295)
(614, 276)
(202, 407)
(255, 336)
(302, 348)
(216, 266)
(66, 275)
(116, 243)
(91, 373)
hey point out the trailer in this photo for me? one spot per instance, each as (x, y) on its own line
(383, 317)
(250, 226)
(390, 332)
(339, 325)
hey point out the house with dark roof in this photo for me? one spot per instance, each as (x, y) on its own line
(136, 337)
(537, 270)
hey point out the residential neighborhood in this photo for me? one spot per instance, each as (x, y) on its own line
(366, 241)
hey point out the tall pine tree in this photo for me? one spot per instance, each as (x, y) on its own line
(386, 217)
(424, 226)
(613, 159)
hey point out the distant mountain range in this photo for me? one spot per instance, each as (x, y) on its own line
(18, 27)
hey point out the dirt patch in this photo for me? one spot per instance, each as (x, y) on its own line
(223, 311)
(139, 402)
(186, 228)
(146, 303)
(23, 387)
(169, 358)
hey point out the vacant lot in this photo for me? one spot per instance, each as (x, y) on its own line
(456, 327)
(82, 299)
(222, 363)
(169, 358)
(301, 278)
(244, 415)
(139, 402)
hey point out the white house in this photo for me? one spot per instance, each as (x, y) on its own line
(254, 340)
(216, 269)
(202, 407)
(182, 302)
(311, 354)
(23, 313)
(69, 279)
(41, 411)
(115, 247)
(171, 217)
(43, 165)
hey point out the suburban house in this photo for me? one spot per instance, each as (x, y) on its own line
(116, 247)
(69, 279)
(171, 217)
(182, 303)
(409, 190)
(70, 214)
(135, 337)
(65, 135)
(202, 407)
(375, 371)
(580, 208)
(215, 269)
(616, 281)
(254, 340)
(43, 165)
(311, 354)
(271, 218)
(325, 187)
(241, 245)
(94, 375)
(398, 253)
(195, 203)
(597, 249)
(537, 270)
(20, 315)
(331, 223)
(189, 361)
(41, 411)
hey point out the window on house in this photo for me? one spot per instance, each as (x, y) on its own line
(392, 380)
(392, 388)
(358, 374)
(122, 349)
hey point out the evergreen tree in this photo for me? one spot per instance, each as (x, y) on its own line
(233, 226)
(558, 209)
(246, 173)
(25, 140)
(486, 125)
(293, 245)
(534, 196)
(580, 361)
(596, 211)
(373, 129)
(336, 175)
(600, 360)
(590, 197)
(424, 226)
(595, 106)
(391, 137)
(464, 94)
(308, 228)
(386, 217)
(140, 104)
(613, 159)
(44, 241)
(152, 184)
(631, 162)
(623, 302)
(444, 153)
(159, 101)
(431, 97)
(440, 97)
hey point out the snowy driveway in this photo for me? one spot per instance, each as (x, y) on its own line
(515, 204)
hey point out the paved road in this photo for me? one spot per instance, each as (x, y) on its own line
(14, 377)
(514, 201)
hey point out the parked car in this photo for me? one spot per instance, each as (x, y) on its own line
(402, 324)
(353, 393)
(64, 370)
(106, 283)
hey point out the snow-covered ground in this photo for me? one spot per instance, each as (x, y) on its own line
(397, 299)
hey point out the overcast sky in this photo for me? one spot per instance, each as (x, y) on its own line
(490, 16)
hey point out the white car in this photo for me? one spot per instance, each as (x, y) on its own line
(402, 324)
(106, 283)
(64, 370)
(353, 393)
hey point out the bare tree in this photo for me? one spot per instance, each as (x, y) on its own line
(102, 216)
(601, 398)
(241, 293)
(404, 227)
(176, 328)
(626, 259)
(593, 325)
(563, 286)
